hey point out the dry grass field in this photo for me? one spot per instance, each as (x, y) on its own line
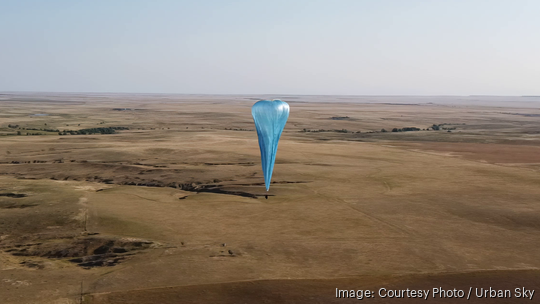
(171, 208)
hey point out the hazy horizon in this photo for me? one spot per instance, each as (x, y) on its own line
(531, 102)
(252, 94)
(349, 48)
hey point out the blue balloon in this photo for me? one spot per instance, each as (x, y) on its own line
(270, 117)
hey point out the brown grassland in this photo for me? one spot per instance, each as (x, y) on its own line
(172, 209)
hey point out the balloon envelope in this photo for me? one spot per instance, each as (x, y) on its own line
(270, 117)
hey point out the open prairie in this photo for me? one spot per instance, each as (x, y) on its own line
(170, 206)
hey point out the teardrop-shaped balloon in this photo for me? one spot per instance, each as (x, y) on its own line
(270, 117)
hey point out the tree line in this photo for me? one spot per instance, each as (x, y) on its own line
(105, 130)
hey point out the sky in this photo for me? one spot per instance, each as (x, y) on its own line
(330, 47)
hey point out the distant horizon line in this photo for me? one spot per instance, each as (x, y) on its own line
(275, 94)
